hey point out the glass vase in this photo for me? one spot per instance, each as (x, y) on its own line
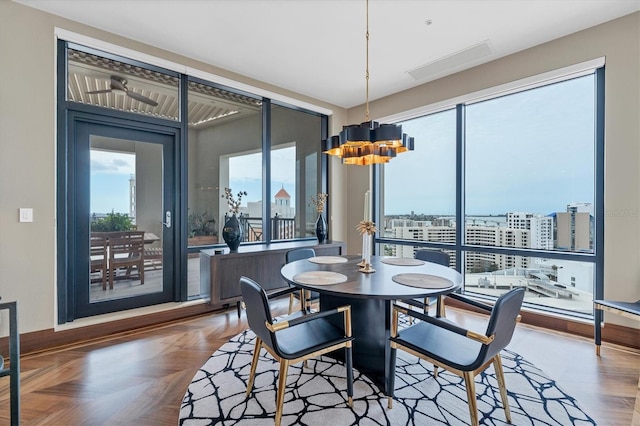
(367, 239)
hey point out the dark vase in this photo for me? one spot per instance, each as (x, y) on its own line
(232, 232)
(321, 228)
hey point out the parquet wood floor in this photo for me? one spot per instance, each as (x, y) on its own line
(140, 378)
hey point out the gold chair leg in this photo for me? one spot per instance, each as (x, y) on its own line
(440, 313)
(303, 301)
(435, 371)
(282, 382)
(389, 402)
(254, 364)
(291, 298)
(471, 397)
(497, 366)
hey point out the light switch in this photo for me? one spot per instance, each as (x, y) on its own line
(26, 215)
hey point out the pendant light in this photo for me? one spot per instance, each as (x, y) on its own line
(369, 142)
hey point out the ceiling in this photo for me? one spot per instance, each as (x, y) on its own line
(317, 47)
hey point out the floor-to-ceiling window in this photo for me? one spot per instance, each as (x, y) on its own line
(224, 150)
(120, 177)
(508, 184)
(419, 191)
(296, 172)
(266, 154)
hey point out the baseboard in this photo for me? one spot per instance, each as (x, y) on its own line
(611, 333)
(42, 340)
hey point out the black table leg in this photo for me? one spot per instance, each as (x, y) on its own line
(370, 322)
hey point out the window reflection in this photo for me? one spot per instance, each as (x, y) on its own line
(225, 151)
(107, 83)
(295, 172)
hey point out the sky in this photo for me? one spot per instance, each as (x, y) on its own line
(246, 174)
(110, 172)
(530, 152)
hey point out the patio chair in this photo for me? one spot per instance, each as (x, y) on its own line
(98, 257)
(293, 340)
(459, 350)
(126, 250)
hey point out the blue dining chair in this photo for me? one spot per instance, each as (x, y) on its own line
(294, 338)
(461, 351)
(306, 297)
(435, 256)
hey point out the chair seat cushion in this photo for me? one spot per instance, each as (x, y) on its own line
(308, 337)
(628, 307)
(441, 344)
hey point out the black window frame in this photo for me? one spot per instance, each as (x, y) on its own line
(64, 107)
(460, 247)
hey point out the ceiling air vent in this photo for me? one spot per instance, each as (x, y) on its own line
(452, 63)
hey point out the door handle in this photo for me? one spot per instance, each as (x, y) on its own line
(167, 219)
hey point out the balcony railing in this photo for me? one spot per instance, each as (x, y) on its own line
(281, 228)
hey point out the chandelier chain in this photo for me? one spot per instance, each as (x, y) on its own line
(367, 71)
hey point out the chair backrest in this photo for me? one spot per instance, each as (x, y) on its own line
(435, 256)
(98, 245)
(257, 305)
(130, 243)
(298, 254)
(502, 322)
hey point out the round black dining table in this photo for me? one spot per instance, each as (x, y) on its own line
(339, 282)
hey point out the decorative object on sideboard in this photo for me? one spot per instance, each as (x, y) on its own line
(232, 233)
(319, 201)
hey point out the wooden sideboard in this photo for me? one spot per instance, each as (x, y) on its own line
(220, 273)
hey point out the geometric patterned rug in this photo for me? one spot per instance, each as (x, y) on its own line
(316, 395)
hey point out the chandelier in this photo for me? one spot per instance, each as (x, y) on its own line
(369, 142)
